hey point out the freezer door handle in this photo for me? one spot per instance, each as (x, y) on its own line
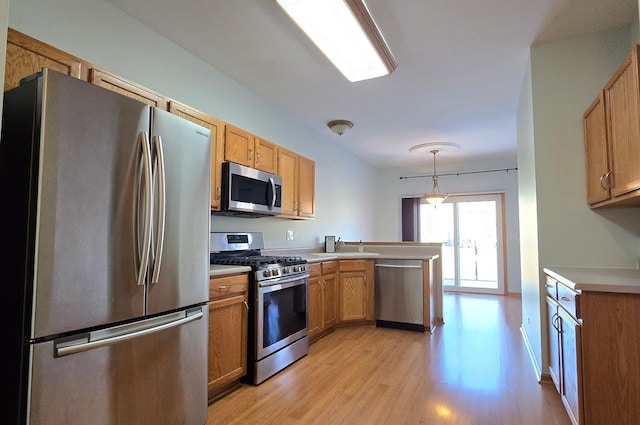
(116, 335)
(143, 251)
(161, 213)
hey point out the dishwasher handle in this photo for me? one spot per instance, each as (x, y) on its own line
(398, 266)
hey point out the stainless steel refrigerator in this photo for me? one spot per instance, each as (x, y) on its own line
(104, 230)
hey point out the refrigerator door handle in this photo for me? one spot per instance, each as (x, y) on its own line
(162, 208)
(143, 251)
(112, 336)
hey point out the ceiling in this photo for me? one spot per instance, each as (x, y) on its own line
(460, 70)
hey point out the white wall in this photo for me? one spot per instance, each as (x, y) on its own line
(565, 77)
(100, 33)
(390, 190)
(531, 313)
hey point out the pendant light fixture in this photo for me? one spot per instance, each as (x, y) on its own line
(435, 197)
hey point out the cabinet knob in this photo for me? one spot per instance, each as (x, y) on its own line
(224, 288)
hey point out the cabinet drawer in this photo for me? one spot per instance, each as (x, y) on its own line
(353, 265)
(569, 299)
(551, 287)
(314, 270)
(222, 287)
(329, 267)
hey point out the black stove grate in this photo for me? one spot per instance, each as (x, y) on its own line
(255, 261)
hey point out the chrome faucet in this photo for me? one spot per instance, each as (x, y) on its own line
(339, 244)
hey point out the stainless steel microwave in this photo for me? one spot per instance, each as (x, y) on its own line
(250, 192)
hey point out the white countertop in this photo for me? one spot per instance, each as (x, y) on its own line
(315, 257)
(597, 279)
(225, 270)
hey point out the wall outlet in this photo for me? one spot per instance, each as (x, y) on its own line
(528, 320)
(290, 236)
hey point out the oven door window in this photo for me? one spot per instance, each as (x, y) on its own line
(284, 314)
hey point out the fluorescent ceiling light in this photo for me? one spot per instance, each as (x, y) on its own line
(347, 35)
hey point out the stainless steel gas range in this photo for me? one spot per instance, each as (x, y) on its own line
(278, 318)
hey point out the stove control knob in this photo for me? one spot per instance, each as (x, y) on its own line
(266, 273)
(297, 269)
(285, 270)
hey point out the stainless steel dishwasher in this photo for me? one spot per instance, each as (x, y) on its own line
(399, 294)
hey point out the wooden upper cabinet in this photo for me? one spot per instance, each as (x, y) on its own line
(266, 157)
(612, 139)
(298, 184)
(596, 152)
(238, 145)
(244, 148)
(26, 56)
(130, 89)
(217, 144)
(306, 187)
(288, 170)
(623, 118)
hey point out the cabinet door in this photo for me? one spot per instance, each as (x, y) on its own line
(216, 126)
(266, 158)
(127, 88)
(228, 319)
(238, 146)
(329, 301)
(288, 170)
(621, 96)
(26, 56)
(571, 366)
(353, 296)
(553, 327)
(306, 187)
(596, 151)
(315, 306)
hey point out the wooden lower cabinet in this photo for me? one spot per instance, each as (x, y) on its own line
(594, 351)
(323, 298)
(228, 319)
(355, 291)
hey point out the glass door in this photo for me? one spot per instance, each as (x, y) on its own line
(471, 229)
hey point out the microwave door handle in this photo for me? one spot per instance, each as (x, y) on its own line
(273, 193)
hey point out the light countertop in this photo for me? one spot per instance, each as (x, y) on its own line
(225, 270)
(597, 279)
(326, 256)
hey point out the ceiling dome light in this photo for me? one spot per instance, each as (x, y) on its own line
(339, 126)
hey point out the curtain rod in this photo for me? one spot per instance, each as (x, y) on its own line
(459, 173)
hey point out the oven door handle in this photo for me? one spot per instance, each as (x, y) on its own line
(284, 283)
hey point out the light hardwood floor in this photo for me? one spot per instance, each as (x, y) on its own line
(474, 370)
